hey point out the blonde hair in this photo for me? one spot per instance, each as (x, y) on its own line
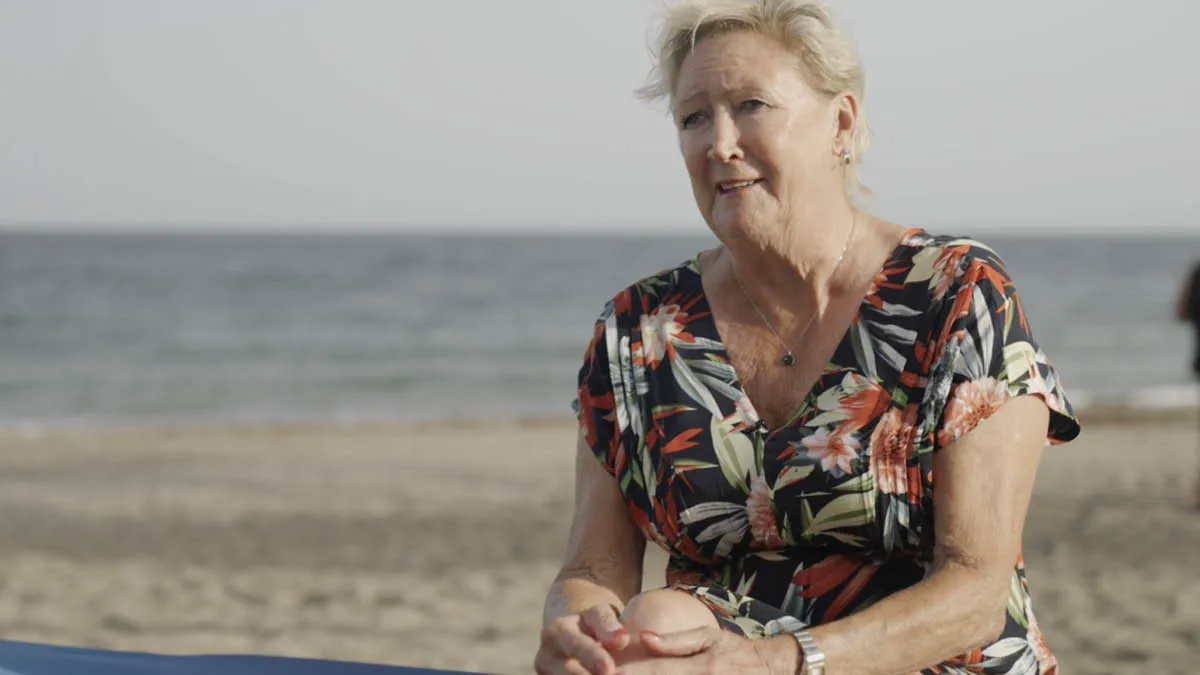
(805, 27)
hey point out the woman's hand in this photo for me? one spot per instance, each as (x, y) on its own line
(701, 651)
(581, 644)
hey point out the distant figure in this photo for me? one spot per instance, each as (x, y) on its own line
(1187, 308)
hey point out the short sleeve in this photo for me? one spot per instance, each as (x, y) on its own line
(594, 402)
(987, 355)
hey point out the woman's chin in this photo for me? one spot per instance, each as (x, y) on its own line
(740, 227)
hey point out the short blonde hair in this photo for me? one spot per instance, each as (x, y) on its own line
(806, 27)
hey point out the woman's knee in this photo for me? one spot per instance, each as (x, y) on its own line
(664, 610)
(660, 611)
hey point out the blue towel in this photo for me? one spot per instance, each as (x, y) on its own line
(22, 658)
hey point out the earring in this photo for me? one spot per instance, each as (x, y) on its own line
(847, 158)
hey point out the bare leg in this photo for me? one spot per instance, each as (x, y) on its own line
(661, 611)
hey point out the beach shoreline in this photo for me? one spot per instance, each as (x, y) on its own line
(432, 543)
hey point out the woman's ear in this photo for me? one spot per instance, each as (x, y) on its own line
(845, 122)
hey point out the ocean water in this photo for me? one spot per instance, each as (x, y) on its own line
(213, 329)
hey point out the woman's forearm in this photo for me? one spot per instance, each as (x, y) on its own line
(574, 594)
(954, 610)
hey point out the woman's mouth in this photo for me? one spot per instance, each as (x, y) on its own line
(727, 187)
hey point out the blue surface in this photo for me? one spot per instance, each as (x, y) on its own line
(22, 658)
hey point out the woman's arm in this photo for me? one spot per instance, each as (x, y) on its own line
(602, 571)
(983, 484)
(603, 565)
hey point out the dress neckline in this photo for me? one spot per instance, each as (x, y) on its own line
(747, 407)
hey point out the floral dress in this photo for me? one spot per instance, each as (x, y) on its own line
(777, 529)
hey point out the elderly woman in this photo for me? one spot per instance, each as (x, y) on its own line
(831, 423)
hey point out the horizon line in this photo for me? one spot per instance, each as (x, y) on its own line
(524, 230)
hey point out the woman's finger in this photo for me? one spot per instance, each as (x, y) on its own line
(549, 663)
(587, 651)
(574, 667)
(682, 643)
(603, 624)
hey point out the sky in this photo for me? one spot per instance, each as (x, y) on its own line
(381, 115)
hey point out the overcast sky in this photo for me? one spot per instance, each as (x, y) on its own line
(412, 114)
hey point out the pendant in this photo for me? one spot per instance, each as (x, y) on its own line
(789, 359)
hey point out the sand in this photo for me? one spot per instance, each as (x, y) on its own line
(432, 545)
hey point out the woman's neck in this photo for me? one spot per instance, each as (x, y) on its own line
(806, 262)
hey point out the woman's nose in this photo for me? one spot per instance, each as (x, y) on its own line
(726, 144)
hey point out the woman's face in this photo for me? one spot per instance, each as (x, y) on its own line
(759, 143)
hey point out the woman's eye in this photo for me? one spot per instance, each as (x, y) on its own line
(689, 120)
(752, 105)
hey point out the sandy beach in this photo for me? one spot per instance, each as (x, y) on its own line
(432, 545)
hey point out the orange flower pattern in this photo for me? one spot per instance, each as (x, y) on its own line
(761, 510)
(776, 529)
(971, 403)
(890, 443)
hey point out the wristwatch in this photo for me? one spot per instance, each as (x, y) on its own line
(814, 658)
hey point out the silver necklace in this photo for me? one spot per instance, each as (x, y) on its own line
(789, 356)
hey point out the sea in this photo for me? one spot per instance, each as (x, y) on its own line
(228, 329)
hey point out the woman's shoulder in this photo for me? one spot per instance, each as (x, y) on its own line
(944, 258)
(930, 271)
(675, 284)
(950, 247)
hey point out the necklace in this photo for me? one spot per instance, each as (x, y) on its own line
(789, 357)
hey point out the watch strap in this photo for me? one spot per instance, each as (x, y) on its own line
(813, 662)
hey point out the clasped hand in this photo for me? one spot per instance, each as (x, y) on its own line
(595, 642)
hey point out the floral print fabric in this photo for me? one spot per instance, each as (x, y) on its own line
(775, 529)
